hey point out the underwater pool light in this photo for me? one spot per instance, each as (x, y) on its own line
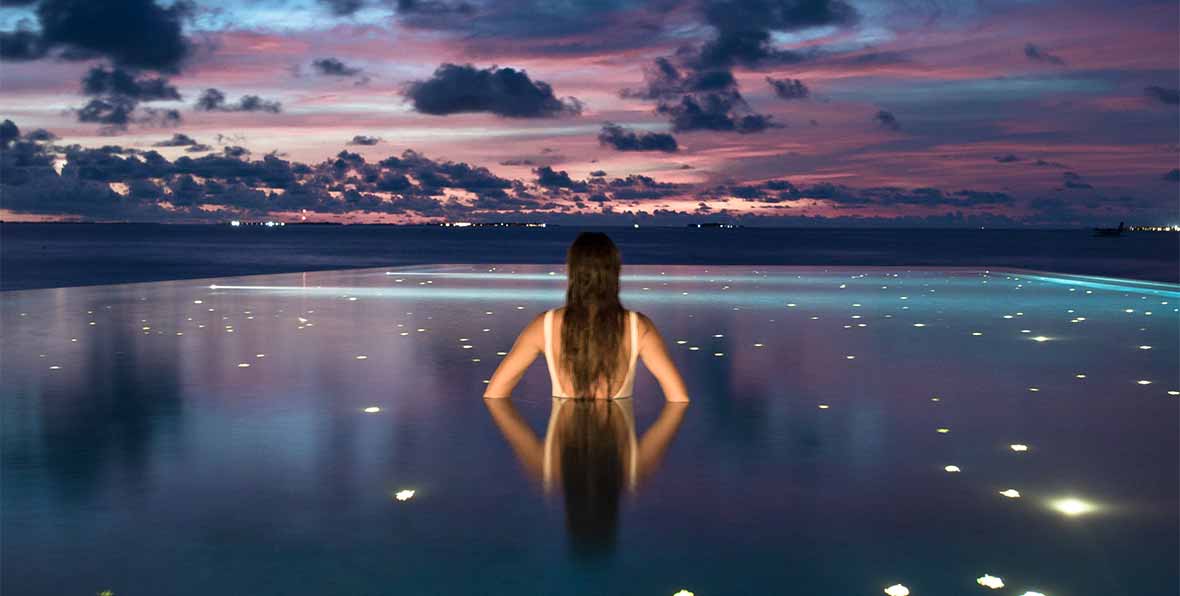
(1073, 506)
(990, 581)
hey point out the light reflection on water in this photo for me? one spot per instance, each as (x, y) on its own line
(140, 456)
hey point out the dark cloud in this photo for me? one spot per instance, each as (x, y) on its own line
(715, 111)
(342, 7)
(696, 88)
(116, 113)
(21, 45)
(1073, 180)
(505, 92)
(100, 81)
(788, 88)
(625, 139)
(334, 67)
(232, 183)
(598, 173)
(663, 79)
(1009, 158)
(213, 100)
(1037, 54)
(1173, 175)
(9, 133)
(364, 140)
(177, 140)
(40, 134)
(1163, 94)
(887, 120)
(130, 33)
(118, 93)
(698, 99)
(743, 28)
(550, 178)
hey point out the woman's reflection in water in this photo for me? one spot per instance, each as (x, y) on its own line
(590, 452)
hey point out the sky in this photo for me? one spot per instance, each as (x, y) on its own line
(961, 113)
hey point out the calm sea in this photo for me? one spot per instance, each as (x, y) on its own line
(55, 255)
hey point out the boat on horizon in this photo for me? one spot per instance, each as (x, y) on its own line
(1110, 231)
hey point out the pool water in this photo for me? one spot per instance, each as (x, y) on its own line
(261, 435)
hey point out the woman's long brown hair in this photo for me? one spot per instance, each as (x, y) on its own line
(592, 328)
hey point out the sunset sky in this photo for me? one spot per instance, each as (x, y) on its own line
(765, 112)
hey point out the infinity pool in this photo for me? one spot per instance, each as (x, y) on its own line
(852, 430)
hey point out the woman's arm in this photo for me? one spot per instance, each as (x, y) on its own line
(528, 345)
(655, 357)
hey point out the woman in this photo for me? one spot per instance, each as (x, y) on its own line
(592, 344)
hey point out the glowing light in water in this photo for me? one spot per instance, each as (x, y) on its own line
(1018, 447)
(897, 590)
(372, 410)
(944, 431)
(243, 365)
(1011, 493)
(990, 581)
(953, 469)
(362, 357)
(823, 406)
(1144, 347)
(1143, 382)
(683, 593)
(404, 495)
(1073, 506)
(1041, 338)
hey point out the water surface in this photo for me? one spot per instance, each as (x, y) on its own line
(139, 455)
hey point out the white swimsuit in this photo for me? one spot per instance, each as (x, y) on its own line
(628, 381)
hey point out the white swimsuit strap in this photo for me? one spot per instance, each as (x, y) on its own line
(549, 355)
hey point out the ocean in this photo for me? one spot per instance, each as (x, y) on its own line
(57, 255)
